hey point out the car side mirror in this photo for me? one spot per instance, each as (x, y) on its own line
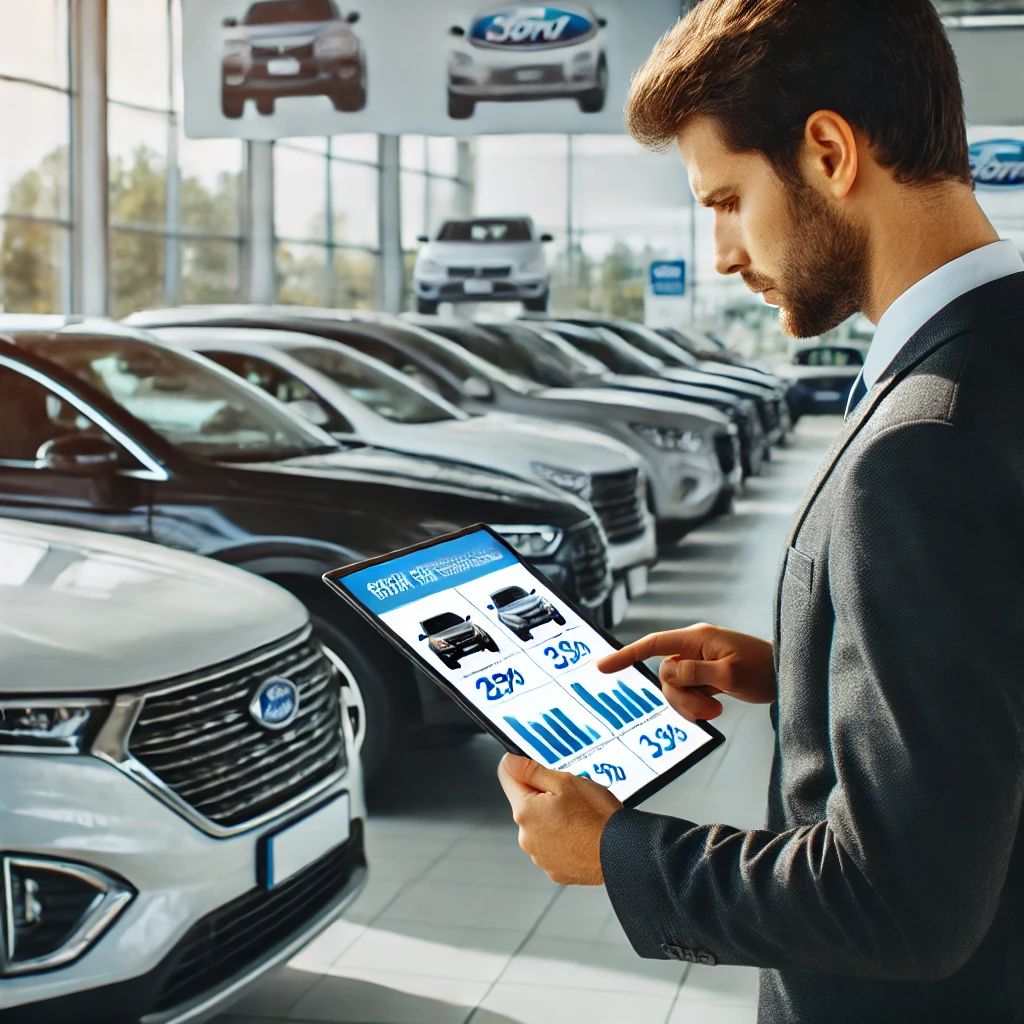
(311, 411)
(602, 22)
(468, 617)
(422, 636)
(547, 237)
(79, 455)
(230, 23)
(422, 238)
(476, 387)
(534, 591)
(457, 30)
(490, 607)
(352, 17)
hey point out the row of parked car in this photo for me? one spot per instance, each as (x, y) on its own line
(208, 721)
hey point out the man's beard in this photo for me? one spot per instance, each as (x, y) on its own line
(826, 268)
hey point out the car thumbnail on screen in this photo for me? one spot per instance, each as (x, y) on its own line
(451, 638)
(528, 52)
(523, 612)
(284, 48)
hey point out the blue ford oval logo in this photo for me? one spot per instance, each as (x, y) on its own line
(998, 163)
(531, 26)
(276, 703)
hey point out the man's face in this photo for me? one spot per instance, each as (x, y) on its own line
(786, 240)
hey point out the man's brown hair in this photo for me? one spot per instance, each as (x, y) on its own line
(760, 68)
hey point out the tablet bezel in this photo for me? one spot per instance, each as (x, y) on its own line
(333, 578)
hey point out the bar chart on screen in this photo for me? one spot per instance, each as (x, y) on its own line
(554, 733)
(619, 703)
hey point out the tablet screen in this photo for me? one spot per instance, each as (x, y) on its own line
(483, 621)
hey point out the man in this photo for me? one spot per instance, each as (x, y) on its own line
(828, 137)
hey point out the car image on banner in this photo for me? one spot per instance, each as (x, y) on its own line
(292, 48)
(528, 52)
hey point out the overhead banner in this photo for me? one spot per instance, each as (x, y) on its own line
(276, 68)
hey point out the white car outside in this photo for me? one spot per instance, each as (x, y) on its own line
(483, 259)
(128, 837)
(356, 397)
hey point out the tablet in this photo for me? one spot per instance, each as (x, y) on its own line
(518, 657)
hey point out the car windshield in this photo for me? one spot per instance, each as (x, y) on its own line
(383, 392)
(607, 348)
(275, 12)
(545, 357)
(507, 596)
(492, 230)
(437, 623)
(199, 409)
(655, 346)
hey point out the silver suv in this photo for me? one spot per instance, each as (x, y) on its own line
(483, 259)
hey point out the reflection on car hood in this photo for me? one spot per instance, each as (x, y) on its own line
(85, 613)
(524, 606)
(462, 631)
(649, 408)
(480, 254)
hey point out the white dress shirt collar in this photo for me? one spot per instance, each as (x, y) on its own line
(921, 301)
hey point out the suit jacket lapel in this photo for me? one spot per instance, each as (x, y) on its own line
(990, 303)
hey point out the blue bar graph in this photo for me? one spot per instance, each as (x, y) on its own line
(556, 737)
(621, 706)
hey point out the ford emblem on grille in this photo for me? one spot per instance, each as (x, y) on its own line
(275, 703)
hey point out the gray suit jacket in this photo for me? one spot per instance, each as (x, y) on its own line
(888, 882)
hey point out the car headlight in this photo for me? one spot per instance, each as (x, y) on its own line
(54, 911)
(431, 268)
(690, 441)
(50, 726)
(336, 44)
(579, 484)
(237, 49)
(537, 541)
(440, 645)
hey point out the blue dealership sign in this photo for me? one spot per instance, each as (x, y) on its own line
(668, 277)
(998, 163)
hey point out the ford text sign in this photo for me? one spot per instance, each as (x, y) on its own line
(532, 26)
(668, 277)
(998, 163)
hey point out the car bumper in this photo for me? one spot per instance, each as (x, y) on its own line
(314, 78)
(685, 488)
(502, 289)
(638, 551)
(85, 811)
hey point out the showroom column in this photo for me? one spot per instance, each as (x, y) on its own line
(89, 292)
(466, 169)
(259, 226)
(389, 211)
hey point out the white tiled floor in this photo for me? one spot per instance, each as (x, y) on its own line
(456, 926)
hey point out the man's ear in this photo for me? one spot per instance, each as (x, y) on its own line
(831, 153)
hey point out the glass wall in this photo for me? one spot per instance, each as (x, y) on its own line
(35, 182)
(326, 222)
(175, 204)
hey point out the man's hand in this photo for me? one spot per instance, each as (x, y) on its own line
(560, 818)
(704, 661)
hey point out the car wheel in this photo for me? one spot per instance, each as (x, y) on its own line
(525, 635)
(537, 305)
(371, 696)
(460, 107)
(350, 100)
(670, 534)
(426, 305)
(232, 105)
(592, 101)
(559, 620)
(265, 106)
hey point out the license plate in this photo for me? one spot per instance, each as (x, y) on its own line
(283, 66)
(620, 602)
(473, 286)
(827, 396)
(287, 852)
(636, 581)
(529, 75)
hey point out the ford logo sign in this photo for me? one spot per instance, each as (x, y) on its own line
(275, 703)
(998, 163)
(524, 26)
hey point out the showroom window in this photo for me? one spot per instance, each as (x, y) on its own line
(35, 187)
(325, 221)
(175, 204)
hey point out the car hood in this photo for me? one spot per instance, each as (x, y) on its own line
(87, 613)
(513, 442)
(818, 372)
(706, 379)
(651, 408)
(480, 254)
(528, 605)
(285, 33)
(699, 393)
(463, 631)
(719, 369)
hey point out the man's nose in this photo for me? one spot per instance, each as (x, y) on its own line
(730, 255)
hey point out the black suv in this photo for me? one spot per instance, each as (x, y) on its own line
(104, 428)
(452, 637)
(523, 612)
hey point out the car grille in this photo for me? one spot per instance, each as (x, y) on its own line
(462, 271)
(618, 505)
(841, 384)
(455, 289)
(503, 271)
(725, 449)
(589, 560)
(541, 74)
(247, 930)
(272, 52)
(200, 739)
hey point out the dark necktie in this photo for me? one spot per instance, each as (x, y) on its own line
(857, 392)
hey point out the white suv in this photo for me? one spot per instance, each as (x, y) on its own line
(180, 813)
(483, 259)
